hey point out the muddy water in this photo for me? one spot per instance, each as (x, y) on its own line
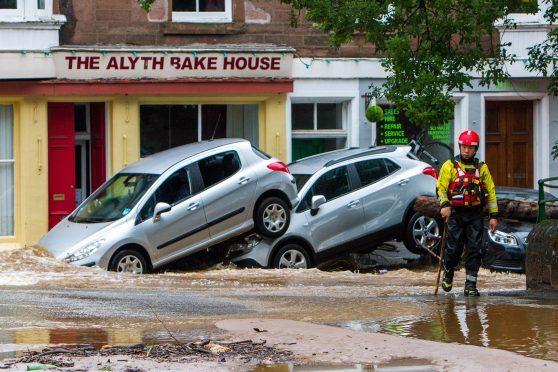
(47, 302)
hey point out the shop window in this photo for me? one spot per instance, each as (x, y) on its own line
(202, 11)
(25, 10)
(6, 171)
(317, 127)
(166, 126)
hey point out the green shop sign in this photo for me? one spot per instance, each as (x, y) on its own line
(395, 129)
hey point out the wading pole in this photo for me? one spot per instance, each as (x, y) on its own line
(441, 259)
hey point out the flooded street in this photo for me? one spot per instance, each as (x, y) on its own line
(46, 302)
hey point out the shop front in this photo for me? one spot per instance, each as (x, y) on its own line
(94, 111)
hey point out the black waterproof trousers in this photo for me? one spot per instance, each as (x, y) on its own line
(465, 226)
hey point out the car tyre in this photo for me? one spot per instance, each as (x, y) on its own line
(291, 256)
(273, 217)
(422, 232)
(129, 261)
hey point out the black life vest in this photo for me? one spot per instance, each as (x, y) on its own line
(467, 190)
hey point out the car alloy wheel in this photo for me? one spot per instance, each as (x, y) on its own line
(291, 256)
(272, 217)
(129, 261)
(423, 233)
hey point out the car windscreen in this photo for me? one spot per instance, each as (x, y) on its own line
(301, 180)
(115, 199)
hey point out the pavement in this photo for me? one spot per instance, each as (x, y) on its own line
(333, 346)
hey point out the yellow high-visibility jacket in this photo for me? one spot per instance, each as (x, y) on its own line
(448, 174)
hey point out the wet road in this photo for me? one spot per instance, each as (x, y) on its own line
(45, 302)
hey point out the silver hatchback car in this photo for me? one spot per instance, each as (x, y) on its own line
(351, 200)
(175, 203)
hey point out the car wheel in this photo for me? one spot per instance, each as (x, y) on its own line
(129, 261)
(291, 256)
(422, 232)
(272, 217)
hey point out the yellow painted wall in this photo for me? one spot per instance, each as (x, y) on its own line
(123, 132)
(272, 130)
(31, 163)
(31, 147)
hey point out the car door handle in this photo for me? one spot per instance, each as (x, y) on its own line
(193, 206)
(243, 180)
(353, 204)
(403, 182)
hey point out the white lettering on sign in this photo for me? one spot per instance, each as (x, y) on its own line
(86, 65)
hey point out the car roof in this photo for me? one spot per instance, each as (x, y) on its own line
(312, 164)
(161, 161)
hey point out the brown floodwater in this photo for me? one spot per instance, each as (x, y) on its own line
(47, 302)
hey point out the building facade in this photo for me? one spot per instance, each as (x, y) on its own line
(88, 87)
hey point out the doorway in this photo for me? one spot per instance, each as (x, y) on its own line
(76, 155)
(509, 142)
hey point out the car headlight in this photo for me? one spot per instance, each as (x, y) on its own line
(501, 237)
(85, 251)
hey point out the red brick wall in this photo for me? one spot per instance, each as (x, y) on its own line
(108, 22)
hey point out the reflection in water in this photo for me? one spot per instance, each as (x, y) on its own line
(528, 327)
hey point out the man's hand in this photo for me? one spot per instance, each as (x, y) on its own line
(492, 224)
(446, 213)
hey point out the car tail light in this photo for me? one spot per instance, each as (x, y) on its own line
(278, 167)
(430, 171)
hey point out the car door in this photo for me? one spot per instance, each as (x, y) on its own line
(380, 193)
(229, 187)
(339, 219)
(181, 230)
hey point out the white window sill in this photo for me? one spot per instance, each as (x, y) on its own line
(56, 19)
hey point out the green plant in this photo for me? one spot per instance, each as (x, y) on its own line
(374, 113)
(146, 4)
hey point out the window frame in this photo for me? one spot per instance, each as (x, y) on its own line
(315, 133)
(12, 162)
(27, 10)
(18, 12)
(204, 17)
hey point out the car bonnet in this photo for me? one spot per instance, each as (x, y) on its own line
(67, 235)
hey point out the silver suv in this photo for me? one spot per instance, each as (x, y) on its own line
(175, 203)
(351, 200)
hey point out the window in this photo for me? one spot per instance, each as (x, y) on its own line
(526, 11)
(317, 128)
(11, 9)
(166, 126)
(218, 167)
(370, 171)
(332, 184)
(174, 190)
(25, 9)
(6, 170)
(202, 11)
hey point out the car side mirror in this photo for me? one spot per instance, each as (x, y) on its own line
(317, 201)
(160, 208)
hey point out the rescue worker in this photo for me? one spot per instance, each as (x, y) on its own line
(464, 185)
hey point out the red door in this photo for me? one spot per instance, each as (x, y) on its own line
(98, 158)
(61, 162)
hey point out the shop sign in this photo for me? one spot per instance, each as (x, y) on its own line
(132, 65)
(396, 129)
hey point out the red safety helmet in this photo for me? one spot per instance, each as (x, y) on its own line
(469, 138)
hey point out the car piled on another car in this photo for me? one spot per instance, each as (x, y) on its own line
(175, 203)
(350, 200)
